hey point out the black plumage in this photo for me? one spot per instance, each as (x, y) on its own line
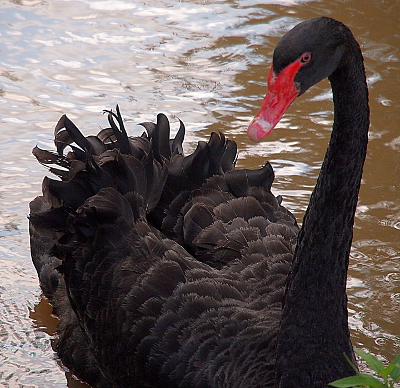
(143, 295)
(180, 271)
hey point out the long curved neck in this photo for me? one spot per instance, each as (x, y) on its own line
(314, 330)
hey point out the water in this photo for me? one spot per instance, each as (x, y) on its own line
(206, 63)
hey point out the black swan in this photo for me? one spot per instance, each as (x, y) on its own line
(173, 271)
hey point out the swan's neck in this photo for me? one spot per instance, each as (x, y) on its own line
(314, 330)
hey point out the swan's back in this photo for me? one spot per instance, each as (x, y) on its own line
(165, 270)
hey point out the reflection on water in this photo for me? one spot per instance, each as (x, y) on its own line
(206, 63)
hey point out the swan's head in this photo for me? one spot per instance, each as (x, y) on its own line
(308, 53)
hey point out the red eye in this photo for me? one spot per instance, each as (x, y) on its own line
(305, 58)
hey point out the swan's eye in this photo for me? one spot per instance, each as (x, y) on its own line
(305, 58)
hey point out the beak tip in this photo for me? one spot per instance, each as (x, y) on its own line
(258, 129)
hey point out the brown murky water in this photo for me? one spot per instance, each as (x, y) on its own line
(206, 62)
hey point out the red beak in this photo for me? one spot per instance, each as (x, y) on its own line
(281, 93)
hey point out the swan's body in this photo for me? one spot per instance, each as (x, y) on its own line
(170, 271)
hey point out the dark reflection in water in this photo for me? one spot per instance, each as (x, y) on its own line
(205, 62)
